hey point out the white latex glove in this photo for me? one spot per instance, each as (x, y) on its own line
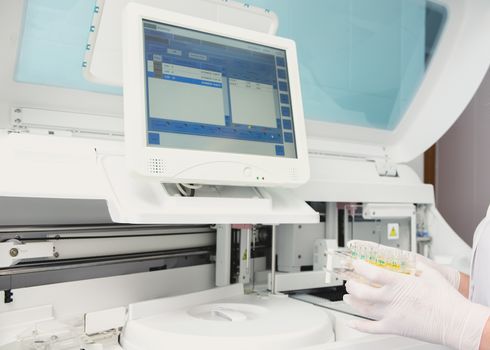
(425, 307)
(450, 274)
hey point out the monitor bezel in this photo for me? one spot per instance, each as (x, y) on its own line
(195, 166)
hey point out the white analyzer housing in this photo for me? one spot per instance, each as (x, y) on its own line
(98, 254)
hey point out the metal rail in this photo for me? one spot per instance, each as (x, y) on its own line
(93, 231)
(104, 261)
(94, 251)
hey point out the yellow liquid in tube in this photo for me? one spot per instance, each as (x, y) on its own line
(393, 259)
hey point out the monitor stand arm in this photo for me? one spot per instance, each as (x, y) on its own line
(145, 200)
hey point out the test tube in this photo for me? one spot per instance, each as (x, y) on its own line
(386, 257)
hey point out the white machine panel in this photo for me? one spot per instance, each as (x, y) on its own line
(225, 318)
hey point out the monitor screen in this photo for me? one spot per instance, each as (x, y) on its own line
(212, 93)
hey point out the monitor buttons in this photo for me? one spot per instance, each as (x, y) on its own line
(247, 172)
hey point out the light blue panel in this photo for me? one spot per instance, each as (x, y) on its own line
(54, 42)
(361, 61)
(413, 70)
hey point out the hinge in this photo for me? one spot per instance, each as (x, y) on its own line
(386, 167)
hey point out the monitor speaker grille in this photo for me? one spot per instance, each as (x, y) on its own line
(156, 166)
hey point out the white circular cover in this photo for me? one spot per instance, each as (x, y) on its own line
(240, 322)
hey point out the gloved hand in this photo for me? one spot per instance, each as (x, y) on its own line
(425, 306)
(450, 274)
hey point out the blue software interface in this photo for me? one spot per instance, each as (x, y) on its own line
(212, 93)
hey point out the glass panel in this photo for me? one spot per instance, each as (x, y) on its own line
(54, 42)
(361, 61)
(436, 16)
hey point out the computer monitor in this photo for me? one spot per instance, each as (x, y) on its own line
(210, 103)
